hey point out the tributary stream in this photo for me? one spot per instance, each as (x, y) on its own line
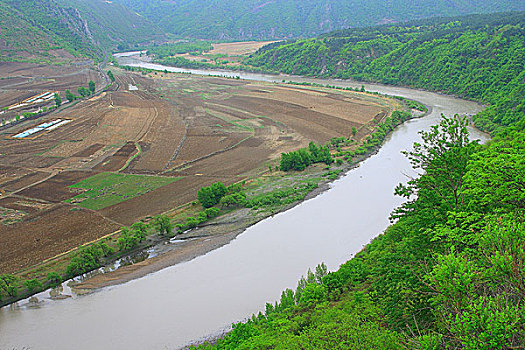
(186, 302)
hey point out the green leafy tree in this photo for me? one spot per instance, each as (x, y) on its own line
(111, 76)
(8, 286)
(33, 285)
(54, 279)
(82, 91)
(70, 97)
(211, 195)
(58, 100)
(162, 224)
(495, 176)
(92, 86)
(442, 157)
(140, 230)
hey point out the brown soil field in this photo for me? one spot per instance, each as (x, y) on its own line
(234, 52)
(202, 129)
(55, 189)
(238, 48)
(56, 230)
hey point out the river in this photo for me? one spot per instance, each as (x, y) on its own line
(186, 302)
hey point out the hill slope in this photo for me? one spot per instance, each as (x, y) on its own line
(480, 57)
(32, 29)
(270, 19)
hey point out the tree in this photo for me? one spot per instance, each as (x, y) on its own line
(54, 279)
(140, 230)
(162, 224)
(495, 176)
(442, 157)
(70, 97)
(58, 100)
(82, 91)
(92, 86)
(111, 76)
(211, 195)
(33, 285)
(8, 285)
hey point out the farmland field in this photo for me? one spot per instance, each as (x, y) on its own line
(128, 155)
(105, 189)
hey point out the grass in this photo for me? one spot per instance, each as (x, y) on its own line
(106, 189)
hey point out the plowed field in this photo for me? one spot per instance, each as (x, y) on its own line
(197, 129)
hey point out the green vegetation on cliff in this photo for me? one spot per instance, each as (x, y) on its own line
(256, 19)
(477, 57)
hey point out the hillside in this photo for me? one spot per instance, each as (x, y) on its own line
(480, 57)
(262, 19)
(113, 25)
(20, 40)
(33, 29)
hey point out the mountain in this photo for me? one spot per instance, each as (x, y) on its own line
(481, 57)
(35, 29)
(114, 25)
(271, 19)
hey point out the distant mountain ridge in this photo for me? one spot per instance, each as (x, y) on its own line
(280, 19)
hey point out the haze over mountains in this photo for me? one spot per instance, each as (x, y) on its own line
(35, 29)
(271, 19)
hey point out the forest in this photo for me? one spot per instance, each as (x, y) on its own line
(477, 57)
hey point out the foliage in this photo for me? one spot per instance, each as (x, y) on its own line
(33, 285)
(302, 158)
(481, 57)
(252, 19)
(58, 100)
(162, 224)
(8, 286)
(70, 96)
(92, 86)
(130, 238)
(84, 92)
(111, 76)
(88, 259)
(167, 50)
(447, 275)
(281, 197)
(211, 195)
(54, 279)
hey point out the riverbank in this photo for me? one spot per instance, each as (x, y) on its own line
(223, 230)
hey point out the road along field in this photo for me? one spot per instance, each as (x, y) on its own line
(148, 147)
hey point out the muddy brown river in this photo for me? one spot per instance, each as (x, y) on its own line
(192, 300)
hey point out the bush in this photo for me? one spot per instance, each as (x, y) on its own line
(33, 285)
(88, 259)
(211, 195)
(54, 279)
(162, 224)
(8, 286)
